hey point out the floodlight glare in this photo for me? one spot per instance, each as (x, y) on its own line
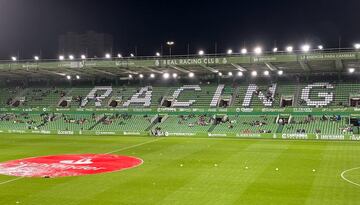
(170, 43)
(351, 70)
(61, 57)
(266, 73)
(230, 73)
(305, 48)
(36, 58)
(191, 75)
(157, 54)
(13, 58)
(275, 50)
(289, 49)
(152, 75)
(68, 77)
(258, 50)
(220, 74)
(77, 77)
(71, 57)
(357, 46)
(119, 55)
(83, 57)
(253, 73)
(141, 76)
(280, 72)
(320, 47)
(166, 75)
(132, 55)
(229, 52)
(240, 74)
(174, 75)
(130, 76)
(244, 51)
(201, 52)
(108, 56)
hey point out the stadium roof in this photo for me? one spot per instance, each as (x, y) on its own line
(312, 62)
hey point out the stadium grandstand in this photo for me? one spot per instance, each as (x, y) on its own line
(305, 95)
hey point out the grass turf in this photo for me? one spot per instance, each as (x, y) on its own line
(213, 171)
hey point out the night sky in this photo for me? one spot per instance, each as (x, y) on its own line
(30, 26)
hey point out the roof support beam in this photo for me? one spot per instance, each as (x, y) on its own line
(210, 69)
(304, 65)
(238, 67)
(179, 69)
(271, 66)
(339, 65)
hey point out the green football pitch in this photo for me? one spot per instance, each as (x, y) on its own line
(190, 171)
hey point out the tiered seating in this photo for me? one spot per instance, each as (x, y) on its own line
(342, 92)
(319, 97)
(191, 95)
(256, 99)
(248, 124)
(302, 123)
(38, 97)
(142, 97)
(19, 121)
(70, 122)
(126, 123)
(186, 124)
(218, 92)
(196, 96)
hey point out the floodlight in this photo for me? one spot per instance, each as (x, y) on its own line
(305, 48)
(166, 75)
(258, 50)
(289, 49)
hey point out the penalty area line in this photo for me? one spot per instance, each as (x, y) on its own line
(11, 180)
(133, 146)
(344, 178)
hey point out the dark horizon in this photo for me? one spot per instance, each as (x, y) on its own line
(29, 27)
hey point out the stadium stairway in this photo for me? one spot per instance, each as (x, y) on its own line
(212, 128)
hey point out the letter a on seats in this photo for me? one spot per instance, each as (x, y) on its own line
(143, 97)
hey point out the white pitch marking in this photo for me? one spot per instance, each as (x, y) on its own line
(136, 145)
(11, 180)
(344, 178)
